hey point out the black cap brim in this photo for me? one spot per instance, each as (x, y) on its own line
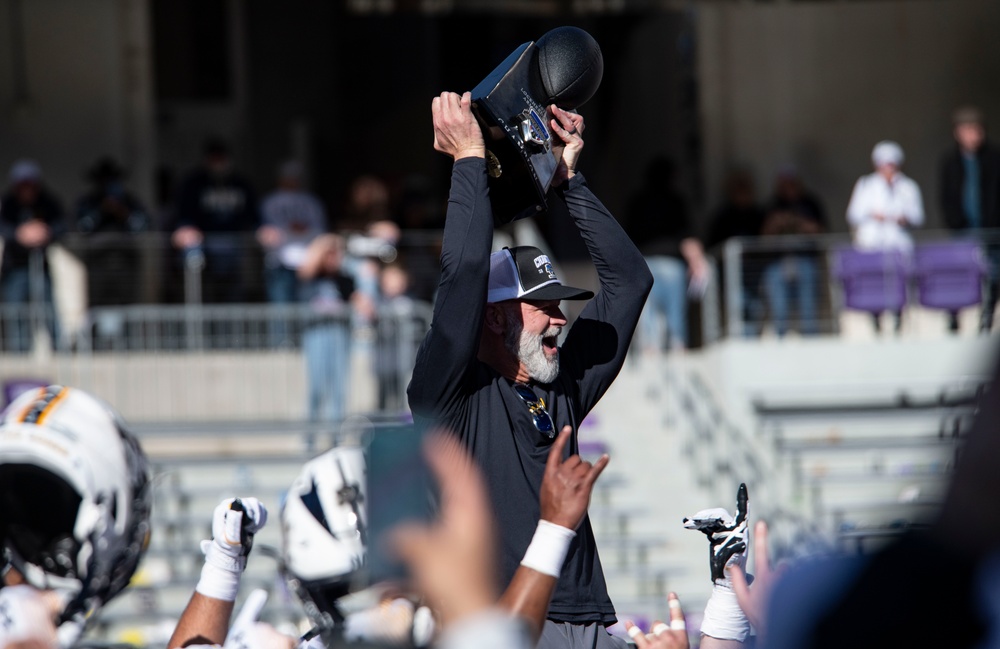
(558, 292)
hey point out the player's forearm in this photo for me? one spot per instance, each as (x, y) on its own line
(204, 621)
(528, 597)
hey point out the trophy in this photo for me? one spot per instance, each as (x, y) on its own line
(564, 67)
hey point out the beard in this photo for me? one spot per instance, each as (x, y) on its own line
(530, 350)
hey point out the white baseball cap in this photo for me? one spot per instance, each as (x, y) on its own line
(887, 152)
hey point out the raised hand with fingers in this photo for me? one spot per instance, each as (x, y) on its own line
(661, 635)
(567, 484)
(568, 127)
(727, 534)
(728, 538)
(564, 498)
(234, 523)
(456, 131)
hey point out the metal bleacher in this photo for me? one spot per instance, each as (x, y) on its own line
(854, 465)
(870, 468)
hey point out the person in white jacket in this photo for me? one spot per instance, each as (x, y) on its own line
(885, 204)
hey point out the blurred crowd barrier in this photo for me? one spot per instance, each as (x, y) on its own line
(85, 293)
(170, 334)
(229, 362)
(126, 318)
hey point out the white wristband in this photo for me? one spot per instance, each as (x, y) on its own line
(547, 550)
(218, 583)
(724, 619)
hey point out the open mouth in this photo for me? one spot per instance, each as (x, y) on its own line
(550, 344)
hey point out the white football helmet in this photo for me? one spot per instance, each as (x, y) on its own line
(324, 531)
(74, 499)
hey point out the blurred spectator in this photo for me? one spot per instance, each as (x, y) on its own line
(659, 224)
(793, 211)
(970, 196)
(884, 205)
(368, 202)
(329, 291)
(215, 203)
(395, 314)
(367, 251)
(740, 215)
(108, 215)
(292, 218)
(31, 218)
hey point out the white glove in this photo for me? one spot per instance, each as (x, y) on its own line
(234, 523)
(25, 615)
(728, 538)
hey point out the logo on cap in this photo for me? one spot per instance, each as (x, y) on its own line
(543, 265)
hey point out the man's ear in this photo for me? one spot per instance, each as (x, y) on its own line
(495, 320)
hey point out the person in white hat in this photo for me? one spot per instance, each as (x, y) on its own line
(885, 204)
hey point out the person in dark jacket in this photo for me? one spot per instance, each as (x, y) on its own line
(215, 205)
(793, 277)
(109, 216)
(970, 196)
(490, 369)
(31, 218)
(741, 215)
(660, 225)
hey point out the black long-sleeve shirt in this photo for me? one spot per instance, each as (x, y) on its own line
(216, 204)
(451, 387)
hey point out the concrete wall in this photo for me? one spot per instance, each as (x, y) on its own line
(201, 387)
(818, 84)
(75, 84)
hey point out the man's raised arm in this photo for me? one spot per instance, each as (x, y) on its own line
(451, 345)
(599, 339)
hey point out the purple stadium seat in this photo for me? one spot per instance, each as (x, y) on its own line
(874, 281)
(950, 274)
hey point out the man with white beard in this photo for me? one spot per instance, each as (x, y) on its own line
(490, 369)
